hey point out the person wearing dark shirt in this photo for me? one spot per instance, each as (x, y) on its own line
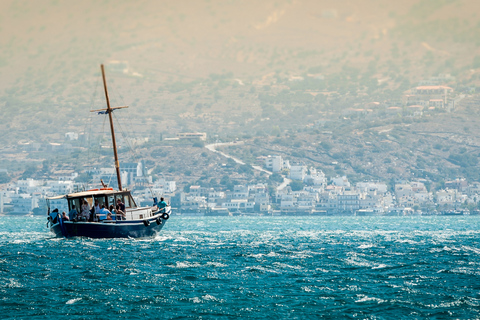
(121, 210)
(54, 216)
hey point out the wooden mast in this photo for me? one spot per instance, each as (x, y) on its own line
(109, 111)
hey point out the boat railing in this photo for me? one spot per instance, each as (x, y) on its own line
(133, 214)
(139, 213)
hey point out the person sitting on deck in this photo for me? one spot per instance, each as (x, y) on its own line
(64, 216)
(102, 215)
(161, 205)
(73, 213)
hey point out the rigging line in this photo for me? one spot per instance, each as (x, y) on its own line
(99, 146)
(88, 141)
(134, 154)
(111, 175)
(88, 123)
(126, 140)
(124, 134)
(120, 96)
(117, 94)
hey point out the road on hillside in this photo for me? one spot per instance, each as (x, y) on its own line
(213, 148)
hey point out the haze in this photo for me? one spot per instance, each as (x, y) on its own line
(288, 73)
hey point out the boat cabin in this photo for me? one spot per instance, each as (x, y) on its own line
(104, 196)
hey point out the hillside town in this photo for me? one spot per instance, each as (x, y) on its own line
(304, 191)
(330, 196)
(299, 188)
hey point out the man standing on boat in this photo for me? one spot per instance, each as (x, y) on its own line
(161, 205)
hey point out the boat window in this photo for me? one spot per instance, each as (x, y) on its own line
(111, 201)
(118, 196)
(126, 201)
(101, 201)
(75, 202)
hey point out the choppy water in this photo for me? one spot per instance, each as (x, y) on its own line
(254, 268)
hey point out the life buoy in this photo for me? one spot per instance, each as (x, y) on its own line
(165, 216)
(159, 222)
(146, 223)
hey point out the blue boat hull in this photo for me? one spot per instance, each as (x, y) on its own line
(111, 229)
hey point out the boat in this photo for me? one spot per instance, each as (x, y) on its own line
(129, 222)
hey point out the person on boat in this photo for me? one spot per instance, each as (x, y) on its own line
(103, 213)
(95, 211)
(54, 216)
(161, 205)
(120, 209)
(96, 207)
(113, 213)
(73, 213)
(85, 210)
(64, 216)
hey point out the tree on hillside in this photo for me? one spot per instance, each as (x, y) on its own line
(296, 185)
(276, 177)
(84, 177)
(4, 177)
(29, 172)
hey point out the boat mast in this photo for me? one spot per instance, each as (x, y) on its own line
(109, 111)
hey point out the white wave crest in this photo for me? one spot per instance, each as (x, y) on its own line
(72, 301)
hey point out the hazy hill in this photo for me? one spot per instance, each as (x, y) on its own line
(225, 67)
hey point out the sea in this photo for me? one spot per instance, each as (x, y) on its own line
(336, 267)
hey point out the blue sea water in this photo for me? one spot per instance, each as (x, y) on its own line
(250, 268)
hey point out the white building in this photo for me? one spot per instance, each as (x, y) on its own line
(341, 181)
(298, 172)
(239, 205)
(287, 201)
(239, 192)
(60, 187)
(28, 185)
(380, 187)
(348, 201)
(24, 203)
(316, 178)
(276, 163)
(167, 185)
(71, 136)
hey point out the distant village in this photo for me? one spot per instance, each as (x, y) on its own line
(320, 195)
(329, 196)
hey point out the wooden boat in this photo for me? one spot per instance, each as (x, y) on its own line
(133, 221)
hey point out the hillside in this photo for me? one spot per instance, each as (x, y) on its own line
(236, 69)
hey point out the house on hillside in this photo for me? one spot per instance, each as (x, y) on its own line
(423, 95)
